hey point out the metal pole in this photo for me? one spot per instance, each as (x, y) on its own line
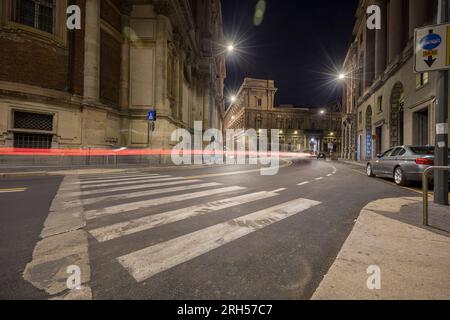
(441, 152)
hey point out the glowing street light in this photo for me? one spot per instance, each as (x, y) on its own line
(233, 98)
(322, 112)
(230, 48)
(341, 76)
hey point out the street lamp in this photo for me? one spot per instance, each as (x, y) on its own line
(341, 76)
(230, 48)
(233, 98)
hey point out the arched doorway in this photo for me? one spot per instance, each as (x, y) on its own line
(396, 125)
(369, 133)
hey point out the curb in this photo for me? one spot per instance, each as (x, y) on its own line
(23, 174)
(355, 163)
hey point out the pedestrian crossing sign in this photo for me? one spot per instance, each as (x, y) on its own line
(151, 116)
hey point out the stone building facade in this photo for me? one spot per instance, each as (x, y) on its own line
(302, 129)
(93, 88)
(386, 104)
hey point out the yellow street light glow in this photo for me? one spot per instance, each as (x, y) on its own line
(341, 76)
(322, 111)
(230, 48)
(281, 131)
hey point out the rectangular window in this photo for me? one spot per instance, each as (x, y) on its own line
(259, 102)
(422, 79)
(380, 104)
(360, 117)
(37, 14)
(33, 121)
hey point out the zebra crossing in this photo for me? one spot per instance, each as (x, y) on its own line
(123, 196)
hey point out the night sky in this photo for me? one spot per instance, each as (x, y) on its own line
(300, 44)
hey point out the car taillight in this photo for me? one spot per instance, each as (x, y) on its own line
(425, 161)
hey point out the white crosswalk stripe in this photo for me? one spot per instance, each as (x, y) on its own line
(125, 179)
(122, 183)
(146, 223)
(130, 188)
(150, 261)
(139, 194)
(127, 207)
(93, 178)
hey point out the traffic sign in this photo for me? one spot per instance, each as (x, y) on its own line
(151, 116)
(432, 48)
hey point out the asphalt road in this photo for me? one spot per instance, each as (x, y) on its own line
(211, 233)
(24, 205)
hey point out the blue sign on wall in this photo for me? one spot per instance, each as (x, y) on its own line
(368, 146)
(430, 41)
(151, 116)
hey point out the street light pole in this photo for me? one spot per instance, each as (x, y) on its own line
(441, 148)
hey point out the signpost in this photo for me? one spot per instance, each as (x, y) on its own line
(151, 118)
(432, 53)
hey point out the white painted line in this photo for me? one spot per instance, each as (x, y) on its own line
(321, 178)
(144, 193)
(146, 263)
(130, 188)
(127, 207)
(303, 183)
(116, 176)
(121, 183)
(123, 179)
(329, 175)
(146, 223)
(279, 190)
(13, 190)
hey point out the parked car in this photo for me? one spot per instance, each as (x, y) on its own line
(321, 155)
(403, 164)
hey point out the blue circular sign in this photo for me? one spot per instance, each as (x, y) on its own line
(431, 41)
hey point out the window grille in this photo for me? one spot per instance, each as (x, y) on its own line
(33, 121)
(32, 141)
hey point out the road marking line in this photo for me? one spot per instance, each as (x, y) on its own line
(127, 207)
(329, 175)
(129, 188)
(321, 178)
(148, 193)
(303, 183)
(129, 183)
(279, 190)
(287, 164)
(146, 223)
(126, 179)
(116, 176)
(146, 263)
(11, 190)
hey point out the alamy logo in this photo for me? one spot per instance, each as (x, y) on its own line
(252, 147)
(74, 280)
(374, 281)
(74, 18)
(374, 17)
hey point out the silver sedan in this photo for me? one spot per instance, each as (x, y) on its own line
(403, 163)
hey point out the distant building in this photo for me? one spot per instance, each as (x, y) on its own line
(94, 87)
(385, 102)
(303, 129)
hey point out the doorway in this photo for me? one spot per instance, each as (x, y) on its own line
(421, 132)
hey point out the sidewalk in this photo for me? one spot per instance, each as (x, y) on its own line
(355, 163)
(414, 260)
